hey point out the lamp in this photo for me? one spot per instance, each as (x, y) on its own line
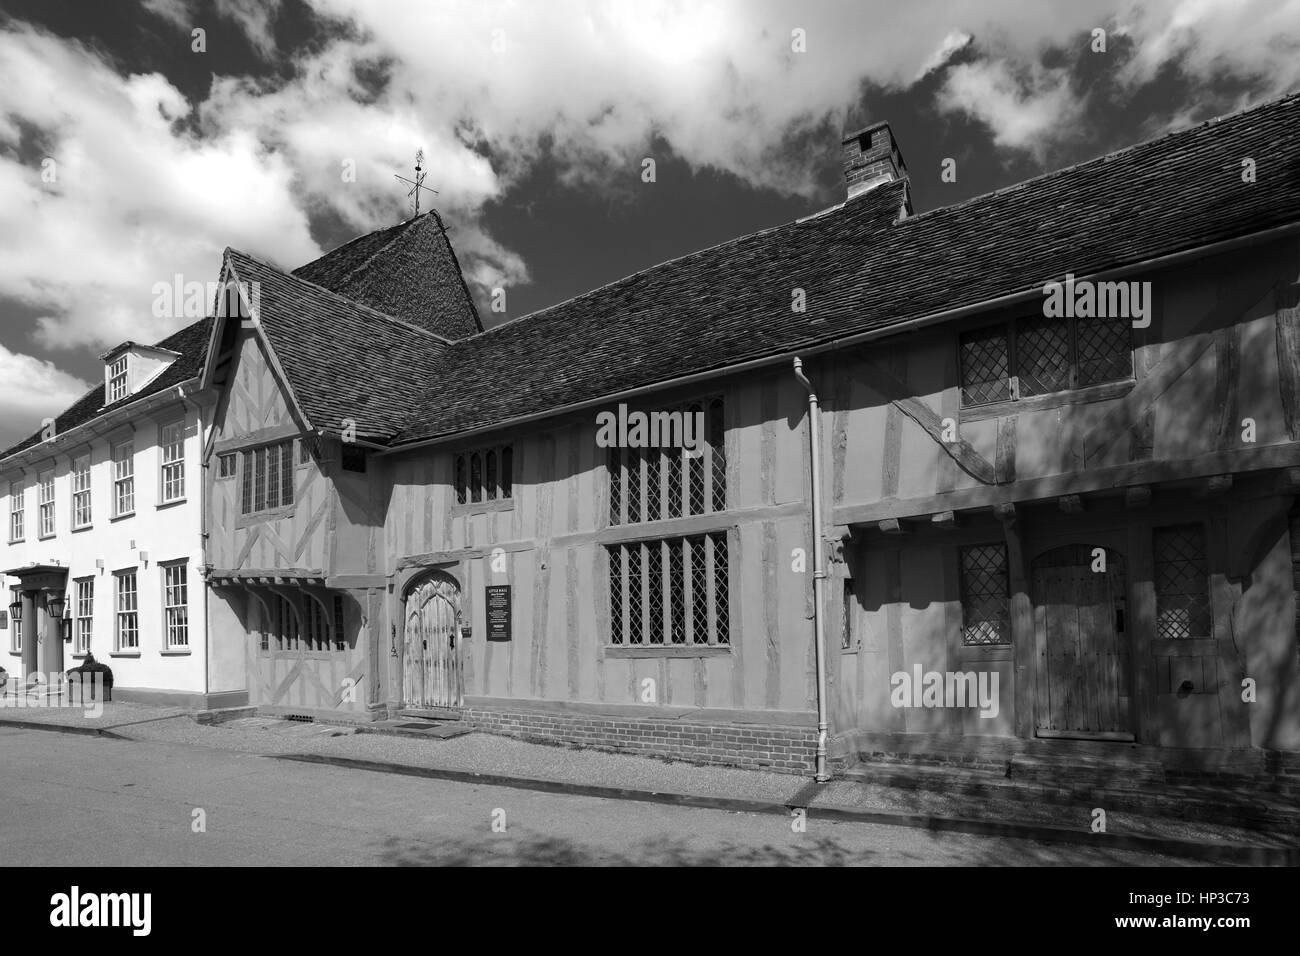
(16, 611)
(55, 604)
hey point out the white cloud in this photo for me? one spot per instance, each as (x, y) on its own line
(1024, 112)
(953, 43)
(141, 196)
(136, 199)
(30, 391)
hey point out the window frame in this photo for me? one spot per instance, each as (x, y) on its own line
(123, 477)
(1012, 331)
(17, 512)
(80, 481)
(671, 470)
(118, 379)
(709, 614)
(171, 609)
(1205, 593)
(255, 479)
(83, 615)
(470, 486)
(966, 598)
(16, 621)
(176, 465)
(123, 614)
(45, 505)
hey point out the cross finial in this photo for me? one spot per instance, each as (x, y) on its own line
(418, 183)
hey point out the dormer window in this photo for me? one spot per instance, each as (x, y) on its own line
(117, 380)
(131, 367)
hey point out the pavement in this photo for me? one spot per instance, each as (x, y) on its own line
(83, 800)
(501, 763)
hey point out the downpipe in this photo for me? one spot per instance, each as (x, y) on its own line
(819, 567)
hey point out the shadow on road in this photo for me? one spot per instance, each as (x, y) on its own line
(942, 849)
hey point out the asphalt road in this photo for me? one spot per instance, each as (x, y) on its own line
(85, 801)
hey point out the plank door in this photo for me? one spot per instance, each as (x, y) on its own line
(1079, 615)
(431, 675)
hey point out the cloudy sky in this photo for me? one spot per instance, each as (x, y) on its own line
(128, 156)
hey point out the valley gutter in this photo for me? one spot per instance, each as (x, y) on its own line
(819, 569)
(858, 338)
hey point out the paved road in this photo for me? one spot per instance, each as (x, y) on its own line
(86, 801)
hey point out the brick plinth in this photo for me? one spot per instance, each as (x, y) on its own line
(782, 749)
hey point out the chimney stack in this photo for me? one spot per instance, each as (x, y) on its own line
(871, 158)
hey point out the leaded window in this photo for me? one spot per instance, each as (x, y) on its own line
(1039, 355)
(659, 483)
(985, 595)
(484, 474)
(671, 591)
(1181, 582)
(267, 478)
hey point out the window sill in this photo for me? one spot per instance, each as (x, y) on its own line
(484, 507)
(176, 652)
(124, 654)
(615, 651)
(169, 504)
(84, 527)
(123, 516)
(17, 540)
(1104, 392)
(47, 537)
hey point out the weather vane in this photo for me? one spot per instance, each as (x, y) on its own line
(418, 183)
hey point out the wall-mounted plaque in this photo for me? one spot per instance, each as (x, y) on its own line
(498, 612)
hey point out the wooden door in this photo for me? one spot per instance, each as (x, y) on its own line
(431, 673)
(1079, 618)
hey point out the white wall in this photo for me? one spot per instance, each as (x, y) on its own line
(164, 532)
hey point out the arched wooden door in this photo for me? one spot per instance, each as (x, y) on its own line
(1081, 631)
(432, 676)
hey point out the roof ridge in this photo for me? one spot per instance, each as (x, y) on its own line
(734, 240)
(396, 231)
(361, 306)
(1108, 157)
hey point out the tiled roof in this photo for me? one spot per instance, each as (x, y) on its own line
(192, 344)
(342, 359)
(409, 271)
(864, 270)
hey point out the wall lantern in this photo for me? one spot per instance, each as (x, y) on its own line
(55, 604)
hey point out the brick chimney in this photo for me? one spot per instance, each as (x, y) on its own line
(871, 158)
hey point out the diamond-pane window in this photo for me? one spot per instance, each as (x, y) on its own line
(985, 595)
(1039, 355)
(663, 481)
(635, 588)
(655, 590)
(1182, 583)
(680, 584)
(985, 366)
(616, 587)
(1043, 356)
(1104, 350)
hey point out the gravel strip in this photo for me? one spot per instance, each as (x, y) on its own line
(115, 714)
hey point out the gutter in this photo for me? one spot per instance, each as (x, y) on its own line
(857, 338)
(819, 569)
(96, 427)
